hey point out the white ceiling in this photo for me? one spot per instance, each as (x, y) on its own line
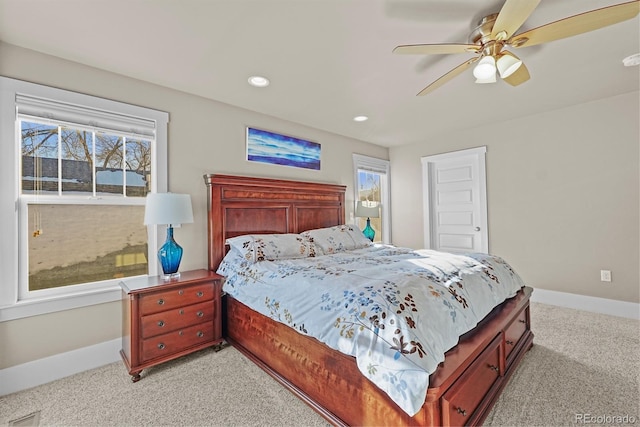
(330, 60)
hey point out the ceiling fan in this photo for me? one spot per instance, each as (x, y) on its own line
(495, 33)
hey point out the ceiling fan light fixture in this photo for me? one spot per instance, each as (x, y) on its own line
(485, 68)
(508, 64)
(495, 31)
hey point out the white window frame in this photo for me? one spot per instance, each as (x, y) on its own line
(11, 305)
(382, 167)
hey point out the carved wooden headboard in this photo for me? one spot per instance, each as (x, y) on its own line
(245, 205)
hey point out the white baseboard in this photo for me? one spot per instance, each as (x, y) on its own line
(586, 303)
(42, 371)
(58, 366)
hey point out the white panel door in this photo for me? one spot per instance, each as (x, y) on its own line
(455, 201)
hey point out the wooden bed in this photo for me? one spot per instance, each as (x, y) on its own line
(462, 390)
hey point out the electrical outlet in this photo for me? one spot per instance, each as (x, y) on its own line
(605, 275)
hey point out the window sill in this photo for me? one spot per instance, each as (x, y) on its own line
(29, 308)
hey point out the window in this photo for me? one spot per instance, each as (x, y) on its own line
(76, 169)
(372, 188)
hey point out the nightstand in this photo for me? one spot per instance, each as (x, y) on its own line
(165, 319)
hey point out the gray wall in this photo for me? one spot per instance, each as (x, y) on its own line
(204, 137)
(563, 195)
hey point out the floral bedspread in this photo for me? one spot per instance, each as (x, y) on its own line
(396, 310)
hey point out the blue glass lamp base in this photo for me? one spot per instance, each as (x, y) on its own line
(369, 232)
(170, 255)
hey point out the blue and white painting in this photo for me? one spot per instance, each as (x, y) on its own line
(276, 149)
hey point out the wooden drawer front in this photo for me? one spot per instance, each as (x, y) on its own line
(173, 342)
(170, 320)
(174, 298)
(464, 396)
(514, 332)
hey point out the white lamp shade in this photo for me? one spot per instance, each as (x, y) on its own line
(508, 64)
(367, 209)
(168, 208)
(485, 68)
(491, 79)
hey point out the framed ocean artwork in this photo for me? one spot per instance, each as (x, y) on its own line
(270, 147)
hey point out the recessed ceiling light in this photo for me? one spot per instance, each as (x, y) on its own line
(258, 81)
(360, 118)
(632, 60)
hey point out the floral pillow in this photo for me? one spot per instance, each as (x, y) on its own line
(242, 245)
(337, 239)
(233, 262)
(261, 247)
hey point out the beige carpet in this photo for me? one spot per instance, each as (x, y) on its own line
(583, 369)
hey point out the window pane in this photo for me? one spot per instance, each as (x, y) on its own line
(109, 174)
(74, 244)
(77, 161)
(369, 189)
(138, 167)
(39, 165)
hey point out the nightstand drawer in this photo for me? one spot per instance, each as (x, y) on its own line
(177, 297)
(176, 341)
(170, 320)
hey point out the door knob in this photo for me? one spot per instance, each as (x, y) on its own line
(477, 228)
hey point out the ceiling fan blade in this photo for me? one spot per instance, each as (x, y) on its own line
(436, 49)
(449, 76)
(520, 76)
(577, 24)
(511, 17)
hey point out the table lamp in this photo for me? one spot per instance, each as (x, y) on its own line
(170, 209)
(368, 209)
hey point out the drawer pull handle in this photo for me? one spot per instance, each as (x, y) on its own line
(161, 323)
(200, 314)
(200, 334)
(200, 293)
(494, 368)
(522, 321)
(160, 301)
(462, 412)
(509, 342)
(161, 346)
(181, 311)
